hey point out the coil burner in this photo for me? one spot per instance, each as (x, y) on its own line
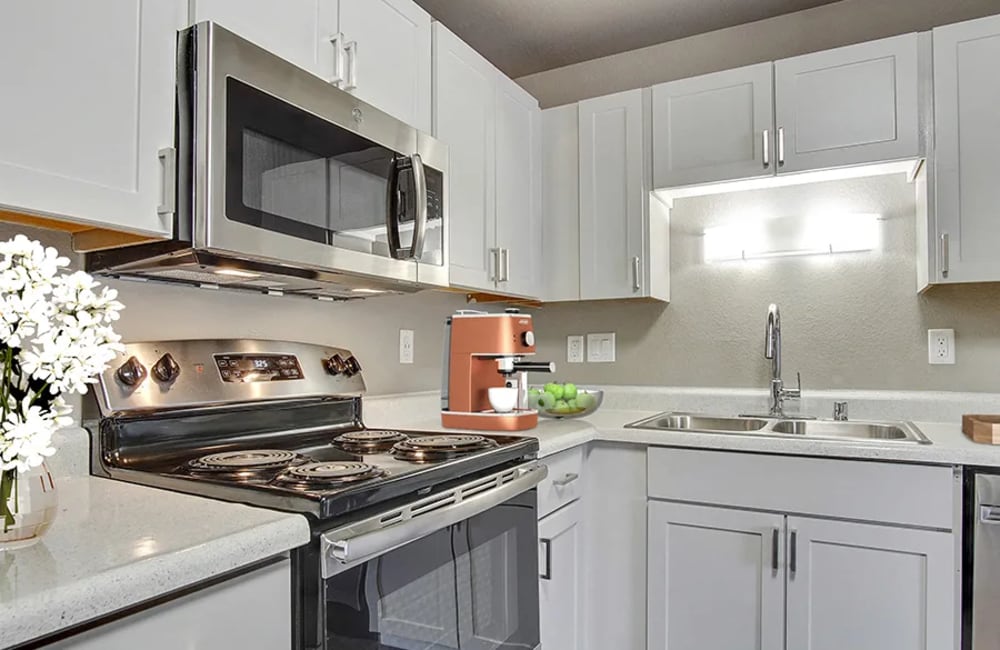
(244, 465)
(369, 441)
(427, 449)
(327, 475)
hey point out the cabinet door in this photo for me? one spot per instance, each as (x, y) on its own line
(89, 102)
(868, 587)
(612, 201)
(561, 203)
(967, 139)
(464, 119)
(299, 31)
(518, 191)
(560, 588)
(251, 612)
(387, 57)
(714, 127)
(715, 579)
(852, 105)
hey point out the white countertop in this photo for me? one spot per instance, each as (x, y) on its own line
(114, 545)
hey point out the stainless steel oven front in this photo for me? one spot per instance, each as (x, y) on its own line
(286, 168)
(454, 569)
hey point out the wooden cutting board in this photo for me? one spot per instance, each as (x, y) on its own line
(982, 428)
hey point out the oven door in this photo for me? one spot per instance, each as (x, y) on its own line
(298, 172)
(471, 583)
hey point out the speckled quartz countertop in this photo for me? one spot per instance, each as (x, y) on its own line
(115, 545)
(949, 446)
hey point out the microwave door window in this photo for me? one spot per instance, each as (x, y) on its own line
(403, 600)
(290, 172)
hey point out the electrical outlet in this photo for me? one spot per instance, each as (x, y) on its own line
(601, 347)
(406, 346)
(574, 349)
(941, 346)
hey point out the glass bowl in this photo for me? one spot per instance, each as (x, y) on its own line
(595, 397)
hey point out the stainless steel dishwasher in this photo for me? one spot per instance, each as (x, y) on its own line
(981, 561)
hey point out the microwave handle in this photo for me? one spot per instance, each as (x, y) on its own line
(418, 187)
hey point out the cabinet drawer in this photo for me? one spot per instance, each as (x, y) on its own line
(912, 495)
(564, 484)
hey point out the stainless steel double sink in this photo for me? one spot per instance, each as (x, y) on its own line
(844, 430)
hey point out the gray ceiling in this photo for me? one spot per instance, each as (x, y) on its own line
(522, 37)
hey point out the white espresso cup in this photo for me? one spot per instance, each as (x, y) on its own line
(502, 399)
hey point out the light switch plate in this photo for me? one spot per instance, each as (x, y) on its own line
(601, 347)
(574, 349)
(406, 346)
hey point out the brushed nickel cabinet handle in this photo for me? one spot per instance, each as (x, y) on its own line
(781, 146)
(775, 535)
(168, 167)
(945, 251)
(636, 274)
(766, 142)
(351, 76)
(793, 560)
(565, 480)
(546, 573)
(337, 41)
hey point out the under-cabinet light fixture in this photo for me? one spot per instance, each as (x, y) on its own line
(792, 236)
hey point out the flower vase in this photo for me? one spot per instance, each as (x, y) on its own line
(31, 506)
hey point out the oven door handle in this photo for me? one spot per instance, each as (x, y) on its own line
(374, 536)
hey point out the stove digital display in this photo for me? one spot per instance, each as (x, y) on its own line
(258, 367)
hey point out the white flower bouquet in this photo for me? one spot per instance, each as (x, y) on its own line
(56, 336)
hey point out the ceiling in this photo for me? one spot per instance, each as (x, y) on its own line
(522, 37)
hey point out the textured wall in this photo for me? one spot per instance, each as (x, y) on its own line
(370, 328)
(824, 27)
(852, 320)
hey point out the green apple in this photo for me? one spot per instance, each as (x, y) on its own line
(585, 400)
(546, 401)
(573, 406)
(561, 406)
(569, 391)
(533, 394)
(554, 389)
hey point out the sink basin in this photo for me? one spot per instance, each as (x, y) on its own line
(692, 422)
(852, 430)
(845, 430)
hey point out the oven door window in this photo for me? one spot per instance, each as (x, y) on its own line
(471, 586)
(291, 172)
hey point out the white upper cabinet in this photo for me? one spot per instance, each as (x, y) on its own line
(965, 231)
(848, 106)
(493, 131)
(88, 105)
(561, 203)
(623, 247)
(716, 579)
(300, 31)
(387, 57)
(715, 127)
(868, 587)
(464, 119)
(518, 189)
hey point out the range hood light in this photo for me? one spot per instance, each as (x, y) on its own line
(236, 273)
(366, 290)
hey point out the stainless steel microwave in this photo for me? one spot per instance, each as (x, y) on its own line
(286, 183)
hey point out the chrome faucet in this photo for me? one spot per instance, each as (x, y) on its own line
(772, 351)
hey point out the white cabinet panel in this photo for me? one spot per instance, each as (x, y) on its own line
(868, 587)
(250, 612)
(89, 102)
(518, 192)
(560, 590)
(387, 60)
(848, 106)
(967, 136)
(297, 30)
(611, 196)
(561, 203)
(714, 127)
(464, 119)
(715, 579)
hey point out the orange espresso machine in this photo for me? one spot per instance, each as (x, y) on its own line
(482, 351)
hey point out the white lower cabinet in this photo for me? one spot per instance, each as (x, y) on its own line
(251, 612)
(714, 579)
(869, 587)
(560, 589)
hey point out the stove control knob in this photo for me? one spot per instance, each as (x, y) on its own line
(131, 373)
(166, 369)
(353, 367)
(335, 365)
(528, 338)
